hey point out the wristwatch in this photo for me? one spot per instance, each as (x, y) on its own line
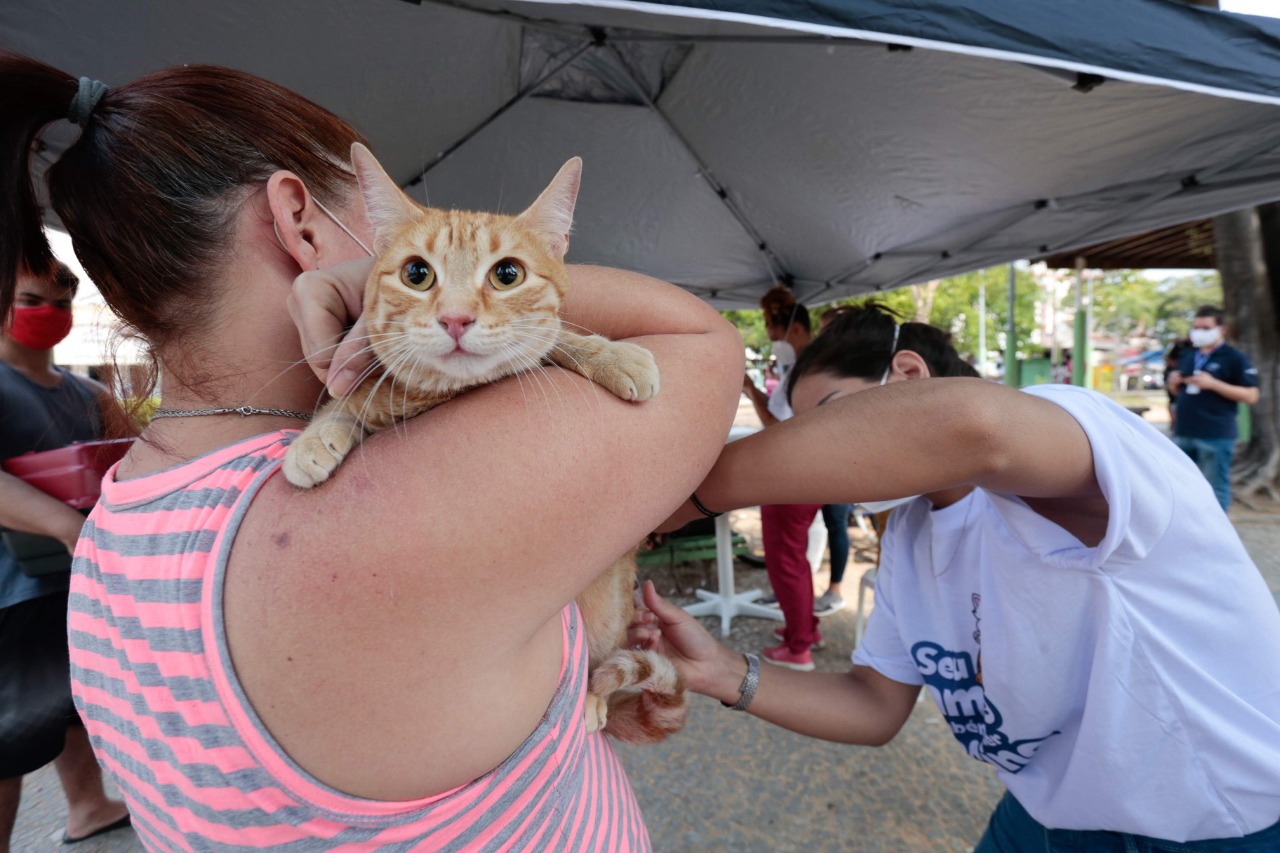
(750, 682)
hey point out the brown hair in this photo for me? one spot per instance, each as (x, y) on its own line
(781, 309)
(151, 189)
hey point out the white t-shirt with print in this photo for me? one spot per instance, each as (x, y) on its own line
(1134, 686)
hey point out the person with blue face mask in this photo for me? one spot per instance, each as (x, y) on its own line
(1048, 587)
(1211, 381)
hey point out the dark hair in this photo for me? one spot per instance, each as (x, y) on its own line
(151, 189)
(55, 271)
(831, 314)
(1212, 311)
(65, 278)
(860, 343)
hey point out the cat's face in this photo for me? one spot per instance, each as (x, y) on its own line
(459, 298)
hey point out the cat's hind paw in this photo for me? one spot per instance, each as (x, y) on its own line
(597, 713)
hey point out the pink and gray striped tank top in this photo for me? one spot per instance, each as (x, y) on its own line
(168, 719)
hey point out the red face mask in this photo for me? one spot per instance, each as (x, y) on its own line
(39, 326)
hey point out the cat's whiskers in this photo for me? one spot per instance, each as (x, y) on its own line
(544, 335)
(528, 367)
(392, 352)
(373, 367)
(575, 327)
(399, 349)
(524, 394)
(296, 363)
(408, 355)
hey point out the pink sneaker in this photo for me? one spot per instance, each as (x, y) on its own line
(817, 645)
(782, 656)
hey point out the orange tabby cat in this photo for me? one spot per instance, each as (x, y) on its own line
(458, 299)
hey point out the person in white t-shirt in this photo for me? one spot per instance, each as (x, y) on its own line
(1065, 586)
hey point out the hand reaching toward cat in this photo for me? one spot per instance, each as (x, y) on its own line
(323, 303)
(663, 627)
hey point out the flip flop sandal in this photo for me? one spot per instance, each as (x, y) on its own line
(111, 827)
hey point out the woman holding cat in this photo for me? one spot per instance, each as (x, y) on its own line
(389, 660)
(1086, 619)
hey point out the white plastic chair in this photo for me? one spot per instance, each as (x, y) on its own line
(868, 582)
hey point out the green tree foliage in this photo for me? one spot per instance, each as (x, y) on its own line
(751, 326)
(953, 306)
(1127, 302)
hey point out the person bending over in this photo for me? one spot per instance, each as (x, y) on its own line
(1086, 620)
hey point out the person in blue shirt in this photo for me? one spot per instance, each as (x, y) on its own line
(1212, 379)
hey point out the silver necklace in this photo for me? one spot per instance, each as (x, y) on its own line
(242, 411)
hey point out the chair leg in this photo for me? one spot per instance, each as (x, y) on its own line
(868, 581)
(861, 518)
(675, 578)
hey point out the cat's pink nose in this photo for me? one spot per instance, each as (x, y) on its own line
(457, 325)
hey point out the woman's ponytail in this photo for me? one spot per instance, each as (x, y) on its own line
(35, 95)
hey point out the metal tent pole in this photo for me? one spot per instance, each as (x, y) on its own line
(982, 329)
(1011, 368)
(1079, 354)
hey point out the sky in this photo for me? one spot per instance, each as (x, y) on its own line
(1269, 8)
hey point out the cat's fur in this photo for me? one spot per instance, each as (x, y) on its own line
(465, 328)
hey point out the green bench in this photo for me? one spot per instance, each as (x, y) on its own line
(687, 549)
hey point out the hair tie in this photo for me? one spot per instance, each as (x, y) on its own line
(85, 100)
(697, 504)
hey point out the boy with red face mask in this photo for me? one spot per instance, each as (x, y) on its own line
(43, 407)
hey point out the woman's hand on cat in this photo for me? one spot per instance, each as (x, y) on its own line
(323, 304)
(662, 627)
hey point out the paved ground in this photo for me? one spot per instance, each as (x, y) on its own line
(731, 783)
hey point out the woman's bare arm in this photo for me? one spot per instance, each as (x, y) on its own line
(858, 707)
(912, 438)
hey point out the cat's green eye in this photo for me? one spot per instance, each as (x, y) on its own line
(506, 274)
(417, 274)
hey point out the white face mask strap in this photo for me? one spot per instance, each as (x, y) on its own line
(336, 221)
(339, 223)
(893, 350)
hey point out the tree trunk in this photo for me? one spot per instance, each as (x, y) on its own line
(1248, 248)
(924, 295)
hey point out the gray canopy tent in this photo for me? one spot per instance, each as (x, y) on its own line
(841, 146)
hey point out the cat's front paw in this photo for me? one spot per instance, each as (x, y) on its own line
(597, 713)
(631, 372)
(317, 452)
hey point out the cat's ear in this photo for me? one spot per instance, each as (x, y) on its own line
(385, 204)
(552, 214)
